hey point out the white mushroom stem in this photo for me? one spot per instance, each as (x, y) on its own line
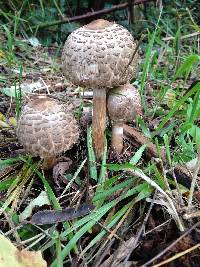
(99, 121)
(49, 163)
(117, 137)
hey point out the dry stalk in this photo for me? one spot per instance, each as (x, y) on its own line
(140, 174)
(194, 179)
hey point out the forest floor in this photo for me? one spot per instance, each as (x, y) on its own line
(140, 212)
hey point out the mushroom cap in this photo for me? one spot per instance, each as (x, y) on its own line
(100, 54)
(124, 103)
(46, 128)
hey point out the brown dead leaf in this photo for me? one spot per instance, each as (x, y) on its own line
(120, 254)
(30, 258)
(60, 169)
(10, 256)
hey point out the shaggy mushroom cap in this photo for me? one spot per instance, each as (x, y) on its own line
(46, 128)
(124, 103)
(100, 54)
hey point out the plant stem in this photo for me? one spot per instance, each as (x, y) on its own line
(99, 121)
(194, 179)
(140, 174)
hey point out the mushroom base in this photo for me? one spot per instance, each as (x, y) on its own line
(49, 163)
(117, 137)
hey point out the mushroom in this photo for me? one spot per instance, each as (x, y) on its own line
(123, 105)
(100, 55)
(46, 128)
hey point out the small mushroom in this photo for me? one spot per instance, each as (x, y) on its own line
(46, 128)
(99, 55)
(123, 105)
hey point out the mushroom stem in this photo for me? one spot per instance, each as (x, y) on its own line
(117, 137)
(99, 121)
(49, 163)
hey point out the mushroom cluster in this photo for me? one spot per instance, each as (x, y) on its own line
(46, 128)
(100, 55)
(124, 105)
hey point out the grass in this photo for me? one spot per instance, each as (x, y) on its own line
(120, 190)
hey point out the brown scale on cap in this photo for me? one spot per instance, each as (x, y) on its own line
(124, 104)
(99, 55)
(46, 128)
(98, 24)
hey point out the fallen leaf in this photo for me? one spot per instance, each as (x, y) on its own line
(10, 256)
(60, 169)
(52, 217)
(3, 124)
(12, 121)
(34, 41)
(39, 201)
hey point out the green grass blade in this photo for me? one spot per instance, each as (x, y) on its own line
(177, 106)
(167, 148)
(7, 162)
(93, 219)
(148, 59)
(58, 253)
(74, 177)
(112, 190)
(4, 185)
(113, 221)
(187, 65)
(103, 171)
(138, 154)
(89, 217)
(91, 155)
(50, 192)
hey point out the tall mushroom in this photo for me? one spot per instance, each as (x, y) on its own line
(100, 55)
(46, 128)
(123, 104)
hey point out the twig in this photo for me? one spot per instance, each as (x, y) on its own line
(171, 246)
(12, 226)
(130, 12)
(178, 188)
(103, 252)
(113, 232)
(137, 138)
(192, 215)
(42, 236)
(140, 231)
(90, 14)
(24, 242)
(157, 227)
(140, 174)
(134, 53)
(182, 37)
(110, 232)
(178, 255)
